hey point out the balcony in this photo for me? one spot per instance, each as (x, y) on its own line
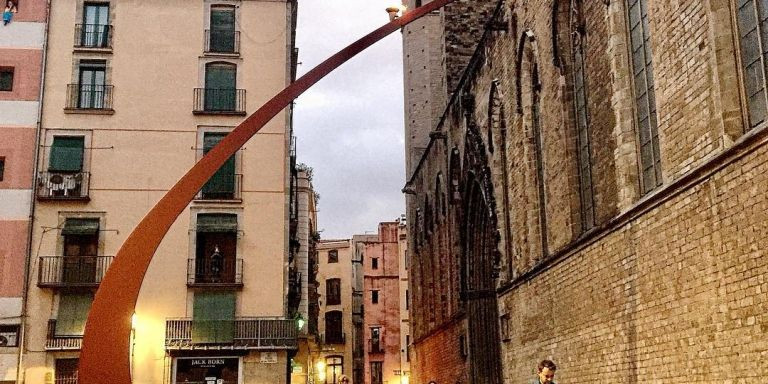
(249, 334)
(334, 338)
(222, 188)
(54, 342)
(215, 273)
(63, 185)
(89, 98)
(374, 346)
(95, 36)
(222, 42)
(72, 271)
(219, 101)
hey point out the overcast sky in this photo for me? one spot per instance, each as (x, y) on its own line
(350, 125)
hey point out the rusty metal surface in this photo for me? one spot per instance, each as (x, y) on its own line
(105, 356)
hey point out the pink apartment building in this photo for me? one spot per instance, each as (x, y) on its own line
(21, 56)
(384, 302)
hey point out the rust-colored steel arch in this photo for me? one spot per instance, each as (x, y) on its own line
(105, 356)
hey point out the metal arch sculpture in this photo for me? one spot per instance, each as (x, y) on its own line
(105, 355)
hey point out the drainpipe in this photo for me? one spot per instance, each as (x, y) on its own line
(28, 260)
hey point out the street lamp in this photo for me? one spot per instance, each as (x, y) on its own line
(300, 321)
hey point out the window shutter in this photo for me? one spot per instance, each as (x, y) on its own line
(213, 318)
(67, 154)
(222, 183)
(220, 85)
(223, 29)
(73, 311)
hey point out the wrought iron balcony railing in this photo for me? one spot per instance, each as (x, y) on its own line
(222, 41)
(54, 342)
(89, 97)
(227, 187)
(334, 338)
(223, 272)
(375, 346)
(93, 36)
(219, 101)
(63, 185)
(249, 333)
(72, 271)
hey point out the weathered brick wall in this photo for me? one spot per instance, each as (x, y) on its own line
(681, 287)
(438, 358)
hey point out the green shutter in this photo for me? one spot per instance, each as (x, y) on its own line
(216, 223)
(222, 184)
(67, 154)
(220, 84)
(73, 311)
(213, 318)
(222, 30)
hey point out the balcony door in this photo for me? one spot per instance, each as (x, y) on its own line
(81, 247)
(334, 333)
(95, 31)
(92, 81)
(220, 87)
(222, 185)
(222, 29)
(216, 251)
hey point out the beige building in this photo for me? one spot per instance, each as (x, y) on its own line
(134, 95)
(333, 354)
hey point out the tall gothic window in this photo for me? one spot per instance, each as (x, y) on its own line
(578, 41)
(536, 119)
(753, 26)
(645, 98)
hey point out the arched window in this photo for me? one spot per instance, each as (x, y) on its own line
(752, 16)
(645, 97)
(583, 134)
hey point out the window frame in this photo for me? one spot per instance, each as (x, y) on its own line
(14, 329)
(333, 256)
(741, 67)
(333, 291)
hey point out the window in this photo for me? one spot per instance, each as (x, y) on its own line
(222, 33)
(6, 79)
(582, 117)
(9, 335)
(66, 371)
(81, 249)
(73, 311)
(95, 30)
(65, 176)
(407, 300)
(407, 348)
(376, 339)
(504, 320)
(221, 186)
(2, 168)
(374, 263)
(334, 333)
(213, 320)
(334, 369)
(92, 85)
(376, 376)
(375, 296)
(645, 97)
(216, 248)
(220, 87)
(333, 291)
(333, 256)
(752, 16)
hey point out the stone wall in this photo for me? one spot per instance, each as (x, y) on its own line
(663, 283)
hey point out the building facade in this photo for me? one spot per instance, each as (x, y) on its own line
(383, 306)
(22, 46)
(593, 195)
(333, 355)
(134, 95)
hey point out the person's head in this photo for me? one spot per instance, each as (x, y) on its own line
(547, 370)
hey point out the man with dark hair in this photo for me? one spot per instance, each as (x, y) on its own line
(546, 374)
